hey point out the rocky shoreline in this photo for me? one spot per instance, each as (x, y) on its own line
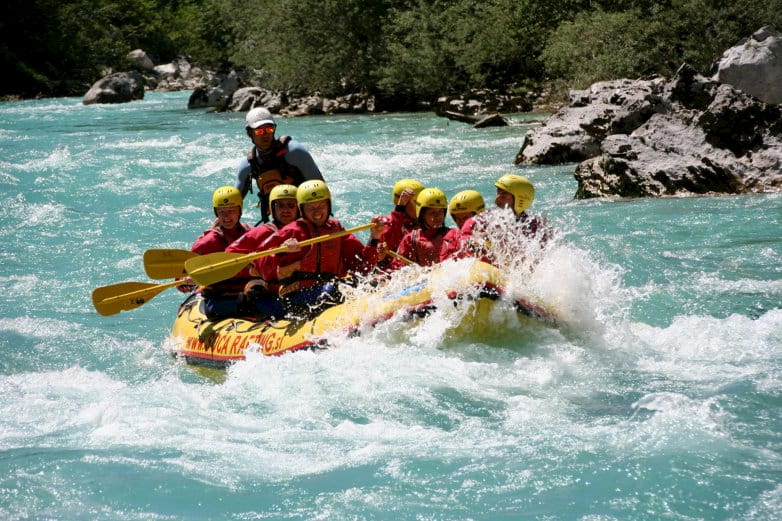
(240, 91)
(688, 135)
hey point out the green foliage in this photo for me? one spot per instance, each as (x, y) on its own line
(438, 47)
(655, 38)
(414, 49)
(597, 46)
(328, 45)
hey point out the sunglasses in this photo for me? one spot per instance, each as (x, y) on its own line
(260, 131)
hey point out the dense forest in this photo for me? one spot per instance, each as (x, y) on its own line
(412, 48)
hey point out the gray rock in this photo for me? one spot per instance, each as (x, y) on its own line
(244, 99)
(734, 146)
(755, 66)
(689, 135)
(479, 102)
(119, 87)
(492, 120)
(574, 133)
(141, 60)
(167, 69)
(217, 94)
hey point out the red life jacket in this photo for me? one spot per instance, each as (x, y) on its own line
(216, 239)
(428, 247)
(322, 261)
(398, 224)
(250, 241)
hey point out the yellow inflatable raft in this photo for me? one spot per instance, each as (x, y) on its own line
(217, 343)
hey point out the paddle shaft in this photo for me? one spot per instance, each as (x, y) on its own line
(144, 292)
(400, 257)
(204, 272)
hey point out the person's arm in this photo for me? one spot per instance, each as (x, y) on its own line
(300, 157)
(244, 178)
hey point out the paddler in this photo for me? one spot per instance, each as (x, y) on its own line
(283, 209)
(402, 218)
(463, 208)
(515, 192)
(307, 276)
(221, 299)
(272, 161)
(260, 297)
(433, 242)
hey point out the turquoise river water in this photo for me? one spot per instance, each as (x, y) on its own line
(659, 395)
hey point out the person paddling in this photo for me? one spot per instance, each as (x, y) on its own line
(283, 209)
(515, 192)
(259, 298)
(433, 242)
(220, 300)
(402, 218)
(307, 275)
(272, 161)
(463, 208)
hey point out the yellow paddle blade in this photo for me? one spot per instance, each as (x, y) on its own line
(110, 300)
(209, 269)
(166, 264)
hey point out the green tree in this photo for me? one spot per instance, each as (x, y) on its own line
(597, 46)
(654, 38)
(329, 45)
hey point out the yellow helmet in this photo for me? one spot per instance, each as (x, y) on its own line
(281, 192)
(311, 191)
(430, 198)
(521, 188)
(400, 186)
(226, 196)
(467, 201)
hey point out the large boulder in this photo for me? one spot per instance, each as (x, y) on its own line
(755, 66)
(246, 98)
(141, 60)
(732, 145)
(575, 132)
(217, 94)
(179, 74)
(119, 87)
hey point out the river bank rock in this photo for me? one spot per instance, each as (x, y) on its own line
(711, 138)
(140, 60)
(482, 102)
(119, 87)
(754, 66)
(574, 133)
(689, 135)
